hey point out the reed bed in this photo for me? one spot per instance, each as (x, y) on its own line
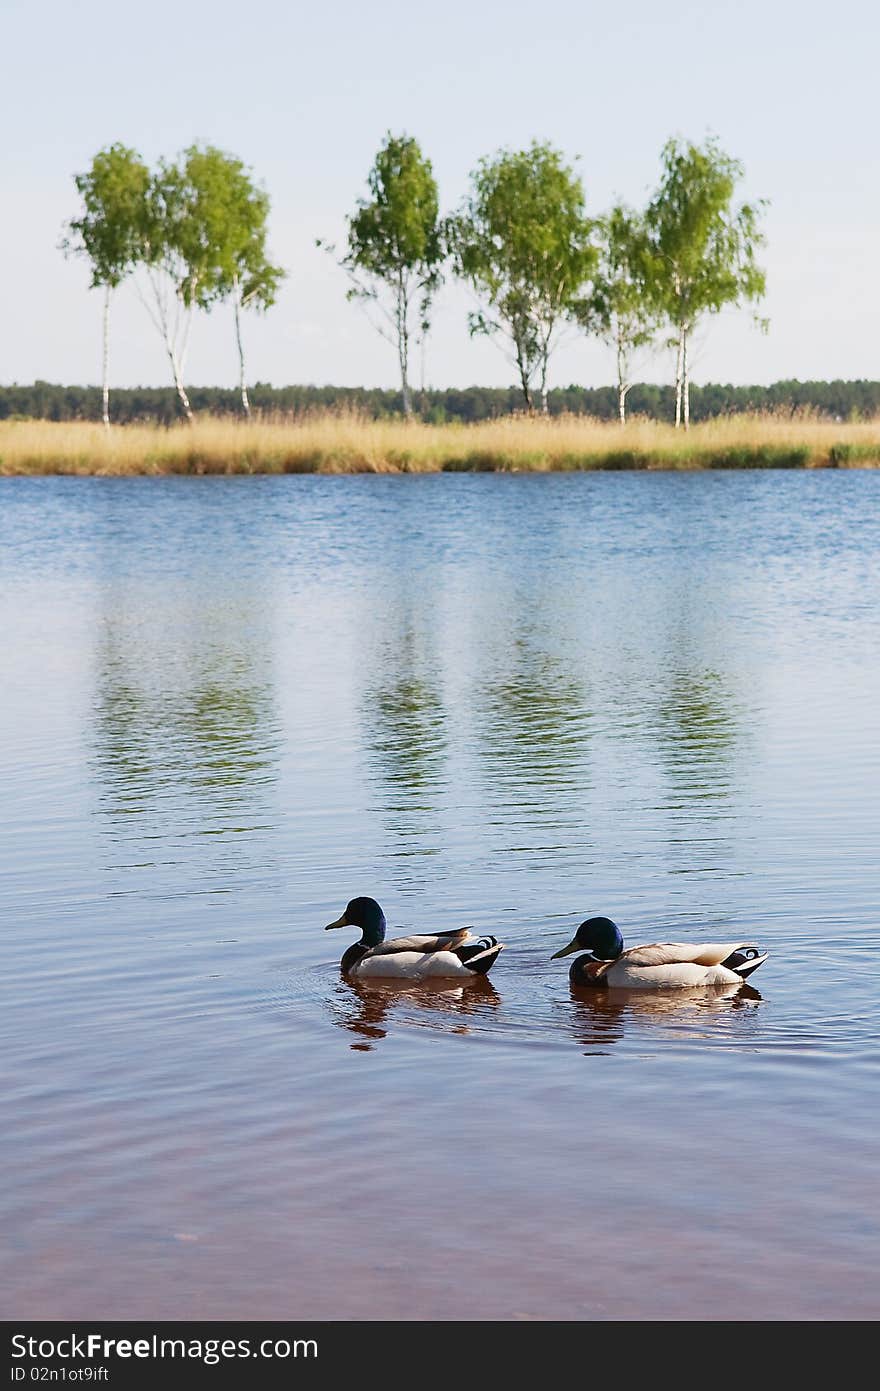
(339, 443)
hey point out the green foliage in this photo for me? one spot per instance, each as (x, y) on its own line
(619, 310)
(202, 219)
(523, 242)
(702, 247)
(197, 227)
(396, 234)
(110, 228)
(396, 246)
(207, 228)
(844, 455)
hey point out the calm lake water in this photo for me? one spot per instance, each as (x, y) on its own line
(228, 705)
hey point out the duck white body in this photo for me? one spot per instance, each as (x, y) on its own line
(436, 956)
(412, 965)
(658, 965)
(671, 966)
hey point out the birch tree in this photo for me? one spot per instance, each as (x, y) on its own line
(108, 232)
(621, 309)
(255, 286)
(702, 247)
(523, 242)
(396, 249)
(222, 240)
(173, 286)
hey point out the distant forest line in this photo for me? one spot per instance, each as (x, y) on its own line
(838, 400)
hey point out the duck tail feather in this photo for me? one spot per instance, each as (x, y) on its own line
(472, 947)
(745, 961)
(480, 956)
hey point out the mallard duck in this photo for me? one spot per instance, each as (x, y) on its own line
(447, 955)
(658, 966)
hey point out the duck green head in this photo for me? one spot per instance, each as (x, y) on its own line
(597, 935)
(366, 914)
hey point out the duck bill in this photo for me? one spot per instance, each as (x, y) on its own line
(567, 951)
(340, 922)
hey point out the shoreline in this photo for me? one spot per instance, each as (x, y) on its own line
(350, 444)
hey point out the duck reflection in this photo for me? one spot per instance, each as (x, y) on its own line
(600, 1018)
(366, 1007)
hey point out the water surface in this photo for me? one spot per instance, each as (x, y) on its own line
(228, 705)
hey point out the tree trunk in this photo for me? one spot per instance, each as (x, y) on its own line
(545, 403)
(105, 365)
(245, 403)
(181, 389)
(524, 379)
(177, 347)
(176, 343)
(679, 375)
(686, 383)
(622, 384)
(403, 346)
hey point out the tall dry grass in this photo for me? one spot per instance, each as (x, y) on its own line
(347, 443)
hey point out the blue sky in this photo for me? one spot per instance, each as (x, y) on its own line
(304, 95)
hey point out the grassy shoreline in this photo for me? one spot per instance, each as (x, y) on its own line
(338, 444)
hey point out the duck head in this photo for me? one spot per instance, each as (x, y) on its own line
(597, 935)
(366, 914)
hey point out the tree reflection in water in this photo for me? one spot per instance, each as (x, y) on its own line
(185, 733)
(697, 732)
(405, 736)
(534, 731)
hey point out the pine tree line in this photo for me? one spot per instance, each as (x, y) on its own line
(838, 400)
